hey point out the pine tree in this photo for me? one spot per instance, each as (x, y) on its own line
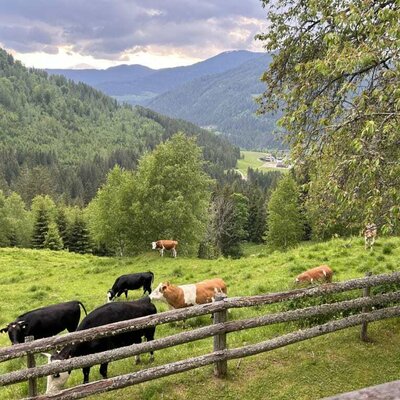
(53, 239)
(79, 237)
(256, 223)
(40, 228)
(62, 226)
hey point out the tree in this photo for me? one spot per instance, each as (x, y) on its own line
(256, 222)
(229, 220)
(285, 224)
(19, 220)
(52, 238)
(79, 241)
(62, 225)
(40, 228)
(171, 195)
(108, 212)
(335, 74)
(43, 210)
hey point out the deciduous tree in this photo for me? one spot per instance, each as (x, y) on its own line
(336, 75)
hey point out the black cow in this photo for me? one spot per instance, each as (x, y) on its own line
(45, 322)
(106, 314)
(131, 282)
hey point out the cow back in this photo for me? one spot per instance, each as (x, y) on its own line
(108, 314)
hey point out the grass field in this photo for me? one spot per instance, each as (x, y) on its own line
(309, 370)
(251, 159)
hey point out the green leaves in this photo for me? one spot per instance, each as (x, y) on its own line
(337, 73)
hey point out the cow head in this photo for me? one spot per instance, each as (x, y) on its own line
(158, 292)
(153, 245)
(16, 331)
(110, 295)
(56, 382)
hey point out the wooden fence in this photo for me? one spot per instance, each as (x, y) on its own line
(218, 330)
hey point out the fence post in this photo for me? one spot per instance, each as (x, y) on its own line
(32, 382)
(220, 367)
(364, 325)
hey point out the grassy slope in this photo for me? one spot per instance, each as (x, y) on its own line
(309, 370)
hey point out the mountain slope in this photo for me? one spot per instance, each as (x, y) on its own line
(217, 93)
(135, 81)
(226, 103)
(60, 138)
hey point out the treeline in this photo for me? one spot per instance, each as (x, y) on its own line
(61, 138)
(168, 196)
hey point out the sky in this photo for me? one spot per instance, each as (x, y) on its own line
(104, 33)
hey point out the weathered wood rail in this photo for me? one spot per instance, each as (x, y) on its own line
(218, 330)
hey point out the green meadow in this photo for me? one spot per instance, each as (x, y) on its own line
(251, 160)
(312, 369)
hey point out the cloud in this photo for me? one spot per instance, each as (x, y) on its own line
(111, 29)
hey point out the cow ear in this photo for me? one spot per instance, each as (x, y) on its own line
(4, 330)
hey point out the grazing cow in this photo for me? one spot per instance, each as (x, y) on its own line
(165, 245)
(45, 322)
(321, 273)
(131, 282)
(188, 295)
(106, 314)
(370, 233)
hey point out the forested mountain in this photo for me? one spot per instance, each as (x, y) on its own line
(226, 103)
(217, 93)
(60, 138)
(137, 84)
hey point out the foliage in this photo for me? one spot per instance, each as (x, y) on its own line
(171, 197)
(40, 228)
(109, 212)
(256, 221)
(52, 239)
(285, 224)
(78, 239)
(335, 74)
(229, 216)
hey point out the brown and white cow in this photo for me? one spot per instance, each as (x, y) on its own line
(370, 233)
(188, 295)
(320, 273)
(165, 245)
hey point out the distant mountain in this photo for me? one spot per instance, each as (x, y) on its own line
(217, 93)
(225, 102)
(136, 84)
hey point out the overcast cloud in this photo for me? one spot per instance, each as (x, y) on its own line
(115, 29)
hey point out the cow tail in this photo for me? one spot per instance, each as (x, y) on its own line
(152, 276)
(84, 309)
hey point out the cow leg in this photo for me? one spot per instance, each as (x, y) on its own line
(126, 293)
(174, 253)
(137, 359)
(103, 370)
(86, 372)
(162, 252)
(149, 334)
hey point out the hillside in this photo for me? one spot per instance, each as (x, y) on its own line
(60, 138)
(217, 93)
(137, 84)
(300, 371)
(226, 103)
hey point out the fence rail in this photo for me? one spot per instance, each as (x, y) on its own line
(219, 330)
